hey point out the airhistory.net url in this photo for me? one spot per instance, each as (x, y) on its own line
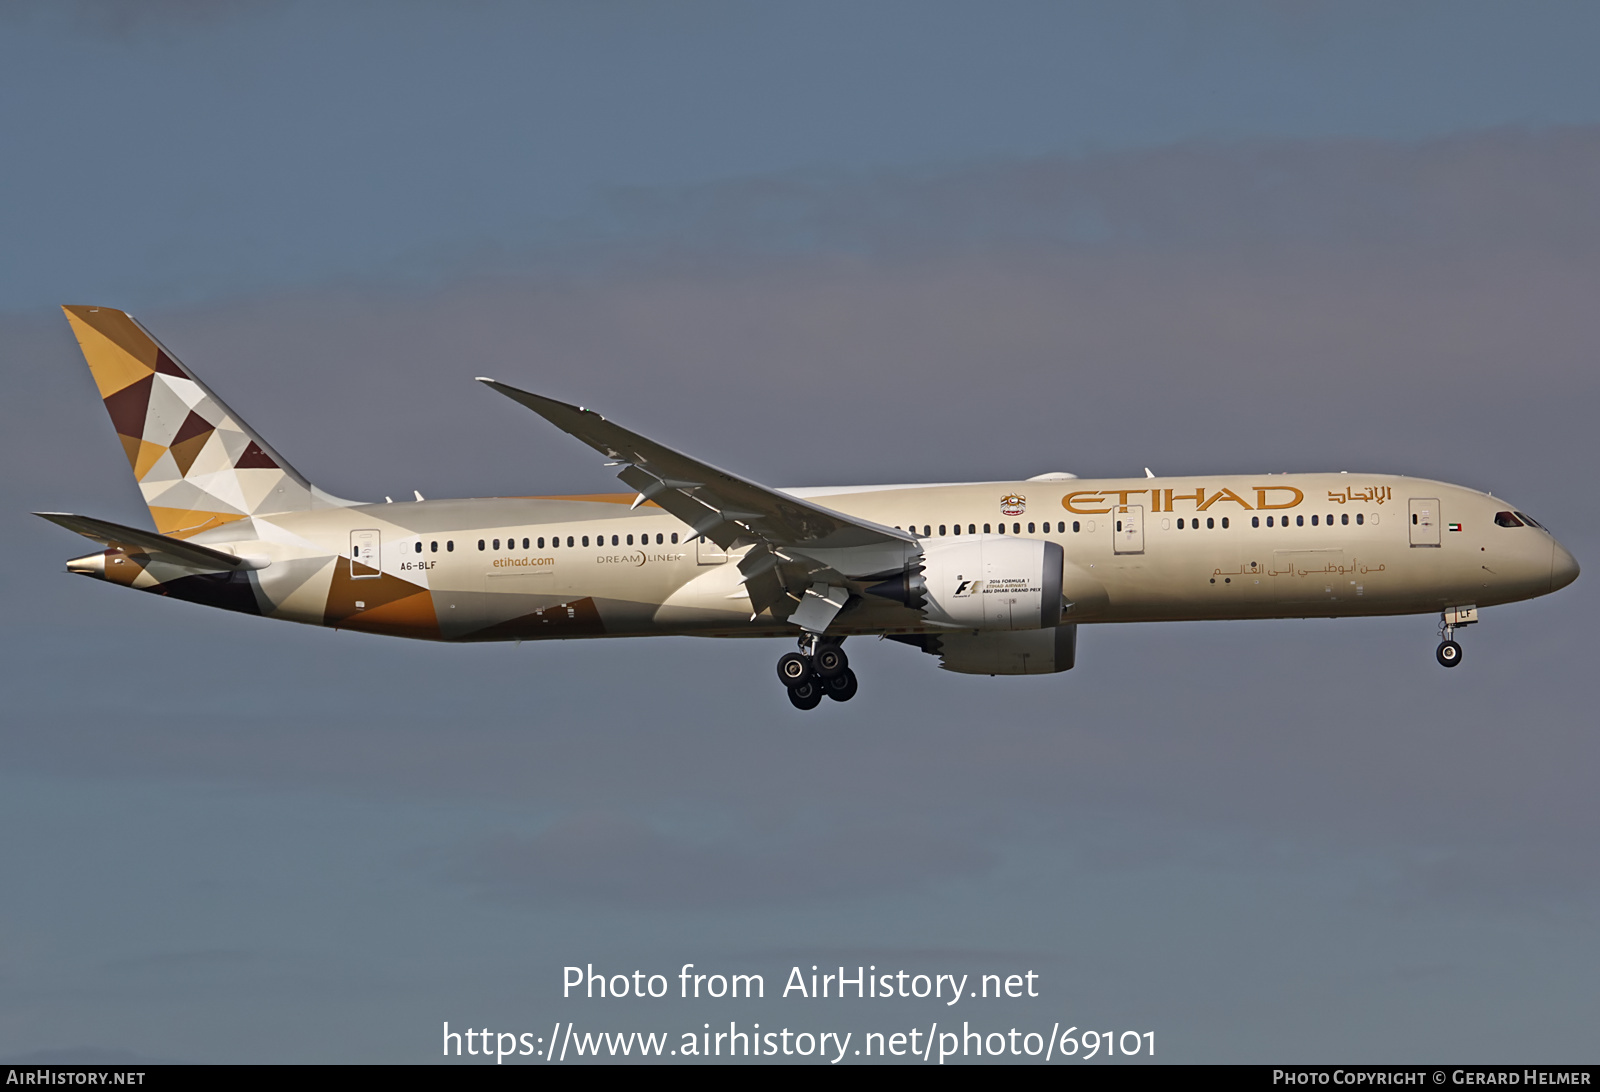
(931, 1045)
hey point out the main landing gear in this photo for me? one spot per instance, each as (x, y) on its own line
(819, 669)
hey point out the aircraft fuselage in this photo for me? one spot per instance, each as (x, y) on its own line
(1136, 550)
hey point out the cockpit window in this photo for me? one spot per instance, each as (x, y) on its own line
(1507, 519)
(1529, 520)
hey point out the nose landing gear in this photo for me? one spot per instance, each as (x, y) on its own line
(1449, 652)
(819, 668)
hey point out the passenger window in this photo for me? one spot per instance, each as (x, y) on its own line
(1344, 517)
(1210, 523)
(1299, 521)
(956, 527)
(941, 530)
(433, 547)
(630, 540)
(1313, 521)
(1360, 519)
(450, 546)
(586, 540)
(927, 532)
(1074, 526)
(1119, 525)
(1224, 523)
(1002, 527)
(615, 541)
(541, 542)
(985, 528)
(480, 544)
(972, 528)
(1269, 521)
(419, 545)
(1030, 528)
(674, 538)
(1180, 523)
(569, 540)
(1016, 528)
(659, 540)
(1061, 528)
(1255, 521)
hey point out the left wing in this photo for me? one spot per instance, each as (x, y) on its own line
(799, 549)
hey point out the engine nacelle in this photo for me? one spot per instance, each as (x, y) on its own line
(992, 582)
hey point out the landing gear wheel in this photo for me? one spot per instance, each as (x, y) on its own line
(806, 695)
(841, 687)
(1449, 653)
(830, 661)
(793, 669)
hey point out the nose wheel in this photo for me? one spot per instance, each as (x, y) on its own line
(1449, 652)
(820, 669)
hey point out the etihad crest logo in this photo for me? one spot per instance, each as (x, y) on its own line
(1013, 504)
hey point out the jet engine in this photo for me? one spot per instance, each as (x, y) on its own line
(984, 582)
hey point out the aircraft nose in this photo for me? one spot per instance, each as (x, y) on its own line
(1563, 567)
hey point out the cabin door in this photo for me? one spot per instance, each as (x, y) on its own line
(1127, 530)
(1424, 521)
(365, 561)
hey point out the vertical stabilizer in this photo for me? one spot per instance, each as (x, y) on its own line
(198, 465)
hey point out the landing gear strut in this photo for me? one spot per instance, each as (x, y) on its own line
(1449, 652)
(819, 669)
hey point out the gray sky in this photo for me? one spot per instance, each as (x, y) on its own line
(831, 247)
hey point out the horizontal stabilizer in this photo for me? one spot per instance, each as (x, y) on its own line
(131, 540)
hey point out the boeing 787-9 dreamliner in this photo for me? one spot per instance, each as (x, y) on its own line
(993, 578)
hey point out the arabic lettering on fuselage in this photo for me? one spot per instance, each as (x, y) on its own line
(1375, 494)
(1356, 567)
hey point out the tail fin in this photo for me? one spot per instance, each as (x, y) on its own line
(198, 465)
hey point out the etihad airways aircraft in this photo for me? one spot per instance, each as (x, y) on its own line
(993, 578)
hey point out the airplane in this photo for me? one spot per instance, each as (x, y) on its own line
(993, 578)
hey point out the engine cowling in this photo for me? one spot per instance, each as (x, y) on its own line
(987, 582)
